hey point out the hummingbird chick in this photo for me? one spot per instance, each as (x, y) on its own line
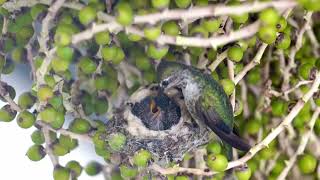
(205, 100)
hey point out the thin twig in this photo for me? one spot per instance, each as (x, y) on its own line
(303, 144)
(218, 60)
(54, 159)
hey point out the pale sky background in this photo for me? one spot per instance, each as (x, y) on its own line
(15, 141)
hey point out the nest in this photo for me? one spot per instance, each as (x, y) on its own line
(157, 123)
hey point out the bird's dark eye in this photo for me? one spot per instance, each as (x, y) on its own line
(164, 83)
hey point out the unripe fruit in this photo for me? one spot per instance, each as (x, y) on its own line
(103, 152)
(157, 52)
(252, 126)
(283, 41)
(87, 65)
(87, 15)
(268, 34)
(117, 141)
(61, 173)
(183, 3)
(65, 53)
(171, 28)
(124, 14)
(160, 4)
(93, 168)
(152, 33)
(80, 126)
(36, 153)
(75, 168)
(109, 52)
(49, 80)
(279, 107)
(142, 63)
(59, 150)
(243, 173)
(119, 56)
(141, 158)
(127, 172)
(101, 106)
(56, 101)
(25, 119)
(269, 17)
(102, 38)
(307, 163)
(99, 139)
(217, 162)
(182, 178)
(305, 70)
(7, 114)
(18, 55)
(240, 19)
(214, 147)
(37, 137)
(44, 93)
(8, 67)
(60, 65)
(48, 115)
(62, 38)
(212, 25)
(58, 121)
(36, 10)
(282, 24)
(228, 86)
(134, 37)
(199, 31)
(235, 53)
(311, 5)
(68, 142)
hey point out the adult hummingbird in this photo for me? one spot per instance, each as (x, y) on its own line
(205, 99)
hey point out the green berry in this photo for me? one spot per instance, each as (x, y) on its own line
(134, 37)
(199, 31)
(44, 93)
(48, 115)
(8, 67)
(171, 28)
(56, 101)
(25, 119)
(60, 65)
(214, 147)
(117, 141)
(103, 82)
(307, 163)
(201, 2)
(212, 25)
(18, 55)
(68, 142)
(58, 121)
(269, 17)
(282, 24)
(49, 80)
(305, 70)
(183, 3)
(99, 139)
(217, 162)
(160, 4)
(74, 167)
(65, 53)
(80, 126)
(124, 14)
(243, 173)
(101, 106)
(61, 173)
(87, 65)
(59, 150)
(87, 15)
(109, 52)
(311, 5)
(119, 56)
(141, 158)
(268, 34)
(103, 152)
(228, 86)
(278, 107)
(156, 51)
(93, 168)
(127, 172)
(283, 41)
(240, 19)
(142, 63)
(235, 53)
(252, 127)
(152, 33)
(102, 38)
(36, 153)
(7, 114)
(62, 38)
(36, 10)
(182, 178)
(37, 137)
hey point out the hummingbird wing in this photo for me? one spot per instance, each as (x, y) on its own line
(212, 119)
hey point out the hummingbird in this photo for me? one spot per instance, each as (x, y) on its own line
(204, 98)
